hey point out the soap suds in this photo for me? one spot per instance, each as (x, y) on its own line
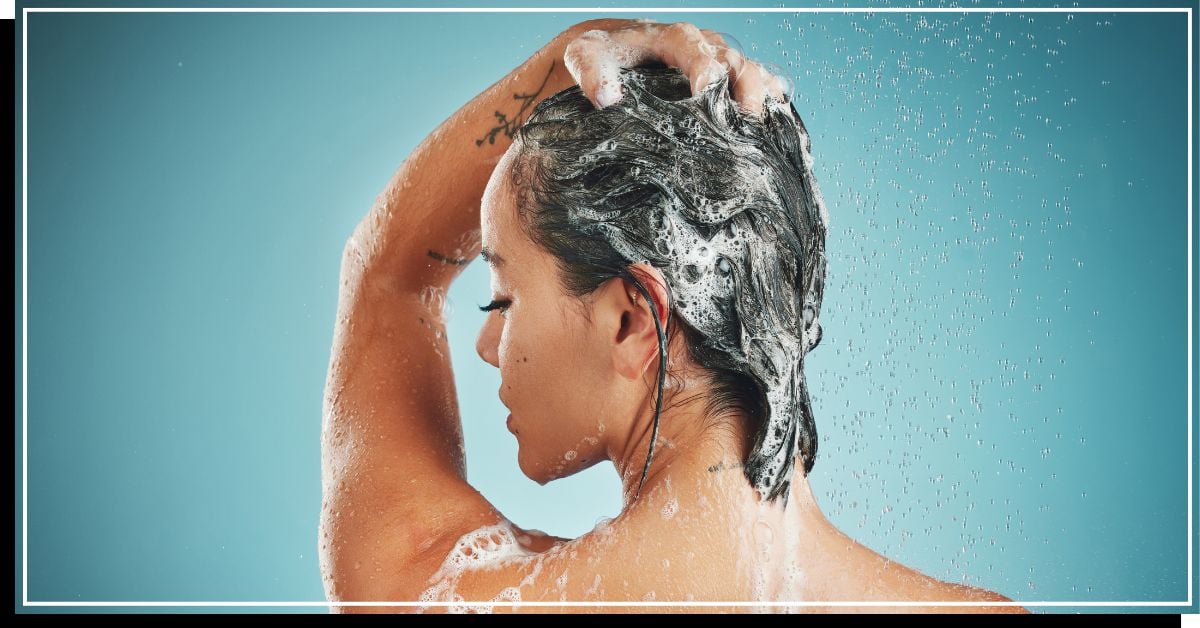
(487, 546)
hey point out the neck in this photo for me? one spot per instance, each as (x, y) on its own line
(709, 455)
(699, 473)
(682, 447)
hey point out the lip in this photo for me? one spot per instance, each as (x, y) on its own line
(508, 423)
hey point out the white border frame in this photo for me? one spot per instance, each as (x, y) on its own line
(24, 207)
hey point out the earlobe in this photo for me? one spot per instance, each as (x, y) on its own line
(637, 338)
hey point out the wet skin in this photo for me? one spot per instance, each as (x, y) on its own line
(396, 501)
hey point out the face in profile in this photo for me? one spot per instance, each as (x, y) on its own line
(552, 359)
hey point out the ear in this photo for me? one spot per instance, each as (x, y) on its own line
(630, 321)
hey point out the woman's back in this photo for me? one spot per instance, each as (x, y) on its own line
(593, 298)
(689, 540)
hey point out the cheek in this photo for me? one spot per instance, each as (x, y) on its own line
(530, 367)
(547, 377)
(523, 364)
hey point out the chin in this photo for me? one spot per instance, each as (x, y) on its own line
(541, 479)
(543, 472)
(537, 474)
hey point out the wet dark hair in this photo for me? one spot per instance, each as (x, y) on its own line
(725, 205)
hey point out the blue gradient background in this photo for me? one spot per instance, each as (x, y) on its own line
(1000, 391)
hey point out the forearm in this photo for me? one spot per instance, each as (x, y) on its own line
(392, 449)
(424, 226)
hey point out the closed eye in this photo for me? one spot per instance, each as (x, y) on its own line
(497, 304)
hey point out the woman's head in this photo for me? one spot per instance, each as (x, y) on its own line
(709, 216)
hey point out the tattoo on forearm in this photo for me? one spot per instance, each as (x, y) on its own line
(509, 127)
(721, 466)
(447, 260)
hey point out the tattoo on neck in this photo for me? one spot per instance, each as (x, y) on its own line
(721, 466)
(509, 127)
(447, 260)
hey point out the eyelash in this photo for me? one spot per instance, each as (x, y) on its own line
(501, 305)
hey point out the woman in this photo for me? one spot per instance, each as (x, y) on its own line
(657, 256)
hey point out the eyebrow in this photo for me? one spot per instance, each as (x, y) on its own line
(492, 258)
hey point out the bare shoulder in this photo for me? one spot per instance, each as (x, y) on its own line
(979, 597)
(909, 584)
(506, 564)
(503, 568)
(854, 571)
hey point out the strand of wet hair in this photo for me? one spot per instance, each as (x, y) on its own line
(662, 370)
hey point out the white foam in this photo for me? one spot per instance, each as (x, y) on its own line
(487, 546)
(670, 508)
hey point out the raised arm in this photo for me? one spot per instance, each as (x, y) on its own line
(423, 228)
(393, 474)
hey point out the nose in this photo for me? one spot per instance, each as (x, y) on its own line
(488, 342)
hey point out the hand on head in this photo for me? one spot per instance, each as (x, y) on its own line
(595, 58)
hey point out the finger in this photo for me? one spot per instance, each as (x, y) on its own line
(774, 83)
(724, 40)
(751, 87)
(590, 61)
(778, 85)
(684, 46)
(729, 58)
(714, 38)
